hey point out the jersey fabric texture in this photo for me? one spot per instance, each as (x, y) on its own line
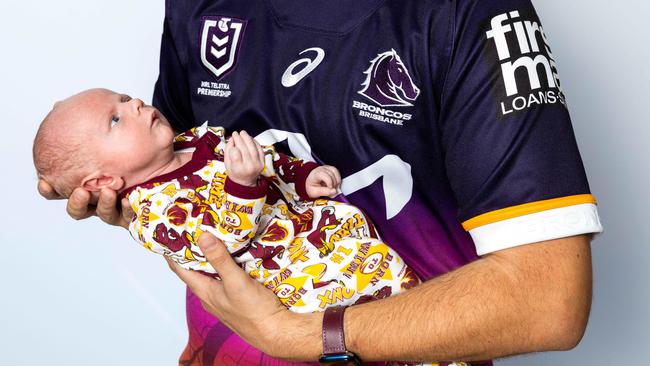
(310, 253)
(446, 119)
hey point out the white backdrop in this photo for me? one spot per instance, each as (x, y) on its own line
(82, 293)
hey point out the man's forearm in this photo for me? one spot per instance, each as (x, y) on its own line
(525, 299)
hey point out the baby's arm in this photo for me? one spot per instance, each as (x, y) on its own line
(245, 159)
(308, 179)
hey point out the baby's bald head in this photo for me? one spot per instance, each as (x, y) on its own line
(101, 139)
(59, 152)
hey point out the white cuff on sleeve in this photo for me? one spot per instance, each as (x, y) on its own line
(539, 226)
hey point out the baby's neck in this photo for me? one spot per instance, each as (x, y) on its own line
(177, 160)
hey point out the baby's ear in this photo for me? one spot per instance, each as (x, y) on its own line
(95, 183)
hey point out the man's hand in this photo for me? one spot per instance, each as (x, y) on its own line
(244, 159)
(47, 191)
(525, 299)
(82, 204)
(249, 309)
(323, 181)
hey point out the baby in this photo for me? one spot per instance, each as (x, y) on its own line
(265, 206)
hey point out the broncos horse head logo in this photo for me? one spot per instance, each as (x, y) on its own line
(388, 83)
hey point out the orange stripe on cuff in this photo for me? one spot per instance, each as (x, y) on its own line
(526, 209)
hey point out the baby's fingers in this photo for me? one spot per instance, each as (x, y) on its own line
(336, 173)
(249, 146)
(333, 173)
(260, 153)
(241, 146)
(226, 153)
(321, 192)
(234, 152)
(325, 179)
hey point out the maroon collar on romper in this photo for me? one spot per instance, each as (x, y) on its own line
(204, 152)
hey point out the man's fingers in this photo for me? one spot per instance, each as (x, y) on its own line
(217, 255)
(200, 285)
(127, 213)
(47, 191)
(106, 207)
(78, 204)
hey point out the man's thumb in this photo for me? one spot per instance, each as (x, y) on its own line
(217, 255)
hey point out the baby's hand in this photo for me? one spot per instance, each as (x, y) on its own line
(323, 181)
(244, 159)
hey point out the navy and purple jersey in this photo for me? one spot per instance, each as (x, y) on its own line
(446, 118)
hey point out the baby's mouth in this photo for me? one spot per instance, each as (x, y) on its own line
(154, 118)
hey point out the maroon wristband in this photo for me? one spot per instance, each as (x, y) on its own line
(301, 179)
(333, 336)
(334, 351)
(250, 193)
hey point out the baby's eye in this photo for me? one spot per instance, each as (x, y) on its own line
(114, 120)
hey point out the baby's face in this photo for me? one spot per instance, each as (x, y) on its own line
(123, 135)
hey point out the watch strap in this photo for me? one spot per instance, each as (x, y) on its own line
(333, 335)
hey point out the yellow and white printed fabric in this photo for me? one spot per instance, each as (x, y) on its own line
(312, 253)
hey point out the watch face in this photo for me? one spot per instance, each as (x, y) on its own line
(339, 358)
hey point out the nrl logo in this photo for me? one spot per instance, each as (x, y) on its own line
(388, 83)
(220, 41)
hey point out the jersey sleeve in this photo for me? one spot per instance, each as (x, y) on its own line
(510, 151)
(169, 220)
(171, 93)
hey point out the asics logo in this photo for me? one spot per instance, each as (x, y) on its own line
(289, 78)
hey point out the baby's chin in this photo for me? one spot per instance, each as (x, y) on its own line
(163, 126)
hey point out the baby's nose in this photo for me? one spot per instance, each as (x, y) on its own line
(138, 102)
(135, 104)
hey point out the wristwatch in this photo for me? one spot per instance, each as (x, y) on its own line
(334, 351)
